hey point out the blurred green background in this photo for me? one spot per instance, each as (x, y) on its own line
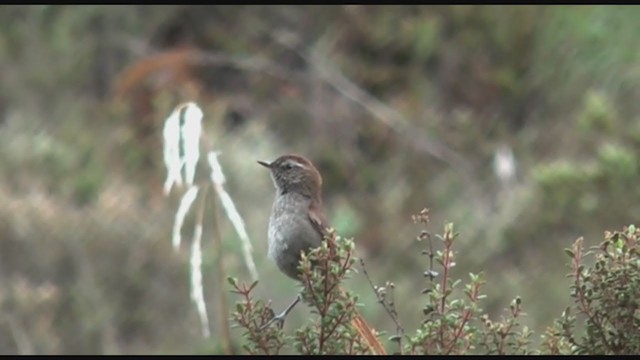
(400, 107)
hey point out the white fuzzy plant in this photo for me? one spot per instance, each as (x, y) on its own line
(182, 135)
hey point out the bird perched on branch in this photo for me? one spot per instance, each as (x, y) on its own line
(298, 224)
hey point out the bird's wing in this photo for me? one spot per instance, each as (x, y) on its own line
(317, 219)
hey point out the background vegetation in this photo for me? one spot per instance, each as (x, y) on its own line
(400, 107)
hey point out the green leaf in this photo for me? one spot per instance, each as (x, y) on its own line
(428, 309)
(569, 253)
(253, 285)
(632, 229)
(430, 274)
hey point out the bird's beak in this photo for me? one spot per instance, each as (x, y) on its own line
(265, 164)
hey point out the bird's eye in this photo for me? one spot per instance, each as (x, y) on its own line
(287, 166)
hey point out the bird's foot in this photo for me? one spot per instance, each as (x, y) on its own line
(281, 317)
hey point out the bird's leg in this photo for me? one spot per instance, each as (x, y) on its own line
(280, 318)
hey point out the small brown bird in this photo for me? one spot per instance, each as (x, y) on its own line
(297, 224)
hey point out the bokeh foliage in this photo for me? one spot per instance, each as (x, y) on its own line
(85, 258)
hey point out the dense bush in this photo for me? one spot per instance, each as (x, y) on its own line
(604, 319)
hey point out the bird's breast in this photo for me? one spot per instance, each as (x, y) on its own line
(290, 232)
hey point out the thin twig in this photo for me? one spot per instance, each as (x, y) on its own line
(20, 336)
(185, 204)
(222, 296)
(391, 313)
(197, 290)
(218, 180)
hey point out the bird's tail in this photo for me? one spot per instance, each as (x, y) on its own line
(367, 333)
